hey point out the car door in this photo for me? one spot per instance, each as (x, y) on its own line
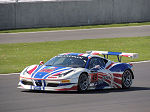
(100, 77)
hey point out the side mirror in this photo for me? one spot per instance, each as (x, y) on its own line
(41, 63)
(96, 68)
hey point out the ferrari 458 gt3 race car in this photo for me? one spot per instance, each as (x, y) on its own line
(79, 72)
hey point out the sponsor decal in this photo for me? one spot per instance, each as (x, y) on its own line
(65, 81)
(52, 77)
(36, 87)
(94, 77)
(48, 70)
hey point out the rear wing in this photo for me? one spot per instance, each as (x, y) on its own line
(118, 54)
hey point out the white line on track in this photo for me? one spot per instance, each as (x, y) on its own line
(77, 29)
(10, 74)
(141, 61)
(130, 62)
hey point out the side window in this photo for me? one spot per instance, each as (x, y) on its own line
(92, 63)
(105, 61)
(101, 62)
(96, 61)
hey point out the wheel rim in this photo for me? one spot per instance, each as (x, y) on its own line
(127, 78)
(83, 82)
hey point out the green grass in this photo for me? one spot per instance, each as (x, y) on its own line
(14, 57)
(73, 28)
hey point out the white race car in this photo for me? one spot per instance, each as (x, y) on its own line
(79, 72)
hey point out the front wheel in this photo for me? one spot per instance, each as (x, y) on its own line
(127, 79)
(83, 82)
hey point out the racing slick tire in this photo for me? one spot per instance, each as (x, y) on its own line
(127, 79)
(83, 82)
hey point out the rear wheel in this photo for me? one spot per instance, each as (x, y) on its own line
(83, 82)
(127, 79)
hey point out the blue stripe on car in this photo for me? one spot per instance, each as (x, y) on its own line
(44, 75)
(39, 67)
(114, 53)
(56, 72)
(120, 67)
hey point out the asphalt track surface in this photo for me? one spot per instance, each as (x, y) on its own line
(135, 99)
(132, 31)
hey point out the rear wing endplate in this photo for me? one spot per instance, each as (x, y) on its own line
(118, 54)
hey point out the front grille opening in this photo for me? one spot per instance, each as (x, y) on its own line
(52, 84)
(38, 83)
(27, 82)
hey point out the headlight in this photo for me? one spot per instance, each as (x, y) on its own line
(64, 74)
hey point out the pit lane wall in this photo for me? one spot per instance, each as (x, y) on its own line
(72, 13)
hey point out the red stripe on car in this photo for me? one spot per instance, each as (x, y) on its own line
(109, 66)
(32, 70)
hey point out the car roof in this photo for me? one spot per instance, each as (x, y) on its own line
(80, 54)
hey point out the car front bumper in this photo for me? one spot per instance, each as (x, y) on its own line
(48, 85)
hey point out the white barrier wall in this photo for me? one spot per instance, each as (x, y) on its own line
(72, 13)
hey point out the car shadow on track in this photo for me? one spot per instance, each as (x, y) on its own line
(89, 91)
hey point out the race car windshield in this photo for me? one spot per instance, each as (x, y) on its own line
(67, 61)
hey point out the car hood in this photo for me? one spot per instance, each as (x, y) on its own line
(42, 72)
